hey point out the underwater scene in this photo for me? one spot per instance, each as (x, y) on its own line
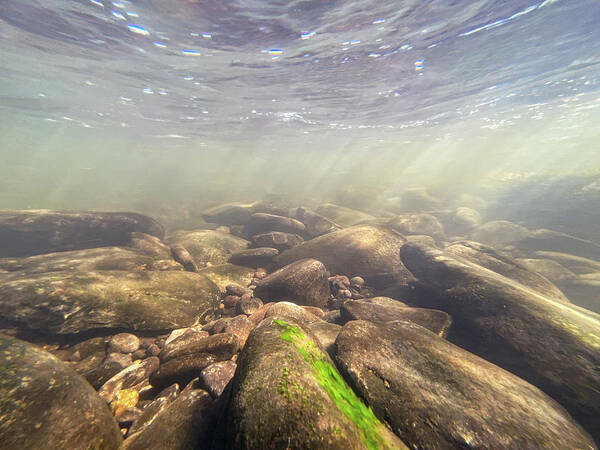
(302, 224)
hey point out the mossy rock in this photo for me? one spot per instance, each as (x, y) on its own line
(45, 404)
(32, 232)
(287, 393)
(208, 246)
(74, 301)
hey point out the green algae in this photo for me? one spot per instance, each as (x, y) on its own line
(337, 389)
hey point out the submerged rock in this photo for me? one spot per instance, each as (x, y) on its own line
(73, 301)
(381, 310)
(552, 344)
(150, 245)
(31, 232)
(215, 377)
(491, 259)
(315, 223)
(263, 223)
(418, 223)
(208, 246)
(287, 393)
(365, 250)
(183, 257)
(465, 219)
(45, 404)
(185, 423)
(499, 233)
(254, 257)
(418, 199)
(554, 241)
(225, 274)
(304, 282)
(342, 215)
(103, 258)
(437, 395)
(277, 239)
(577, 264)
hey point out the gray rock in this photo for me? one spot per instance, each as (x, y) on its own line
(552, 344)
(365, 250)
(263, 223)
(254, 257)
(303, 282)
(45, 404)
(418, 199)
(465, 219)
(577, 264)
(381, 310)
(215, 377)
(74, 301)
(31, 232)
(291, 311)
(124, 343)
(277, 239)
(547, 268)
(208, 246)
(437, 395)
(287, 393)
(129, 377)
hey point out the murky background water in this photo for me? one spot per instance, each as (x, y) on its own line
(171, 105)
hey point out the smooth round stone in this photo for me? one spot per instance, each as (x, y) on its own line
(356, 281)
(249, 305)
(124, 343)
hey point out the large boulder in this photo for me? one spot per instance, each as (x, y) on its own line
(303, 282)
(381, 310)
(495, 261)
(365, 250)
(208, 246)
(103, 258)
(31, 232)
(343, 215)
(552, 344)
(74, 301)
(437, 395)
(45, 404)
(287, 393)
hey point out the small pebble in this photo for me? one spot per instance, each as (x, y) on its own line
(139, 354)
(153, 350)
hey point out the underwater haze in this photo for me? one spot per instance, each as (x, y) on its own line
(249, 224)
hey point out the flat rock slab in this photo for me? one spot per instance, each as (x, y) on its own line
(303, 282)
(437, 395)
(74, 301)
(552, 344)
(254, 257)
(32, 232)
(208, 246)
(45, 404)
(381, 310)
(316, 224)
(103, 258)
(554, 241)
(365, 250)
(287, 393)
(277, 239)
